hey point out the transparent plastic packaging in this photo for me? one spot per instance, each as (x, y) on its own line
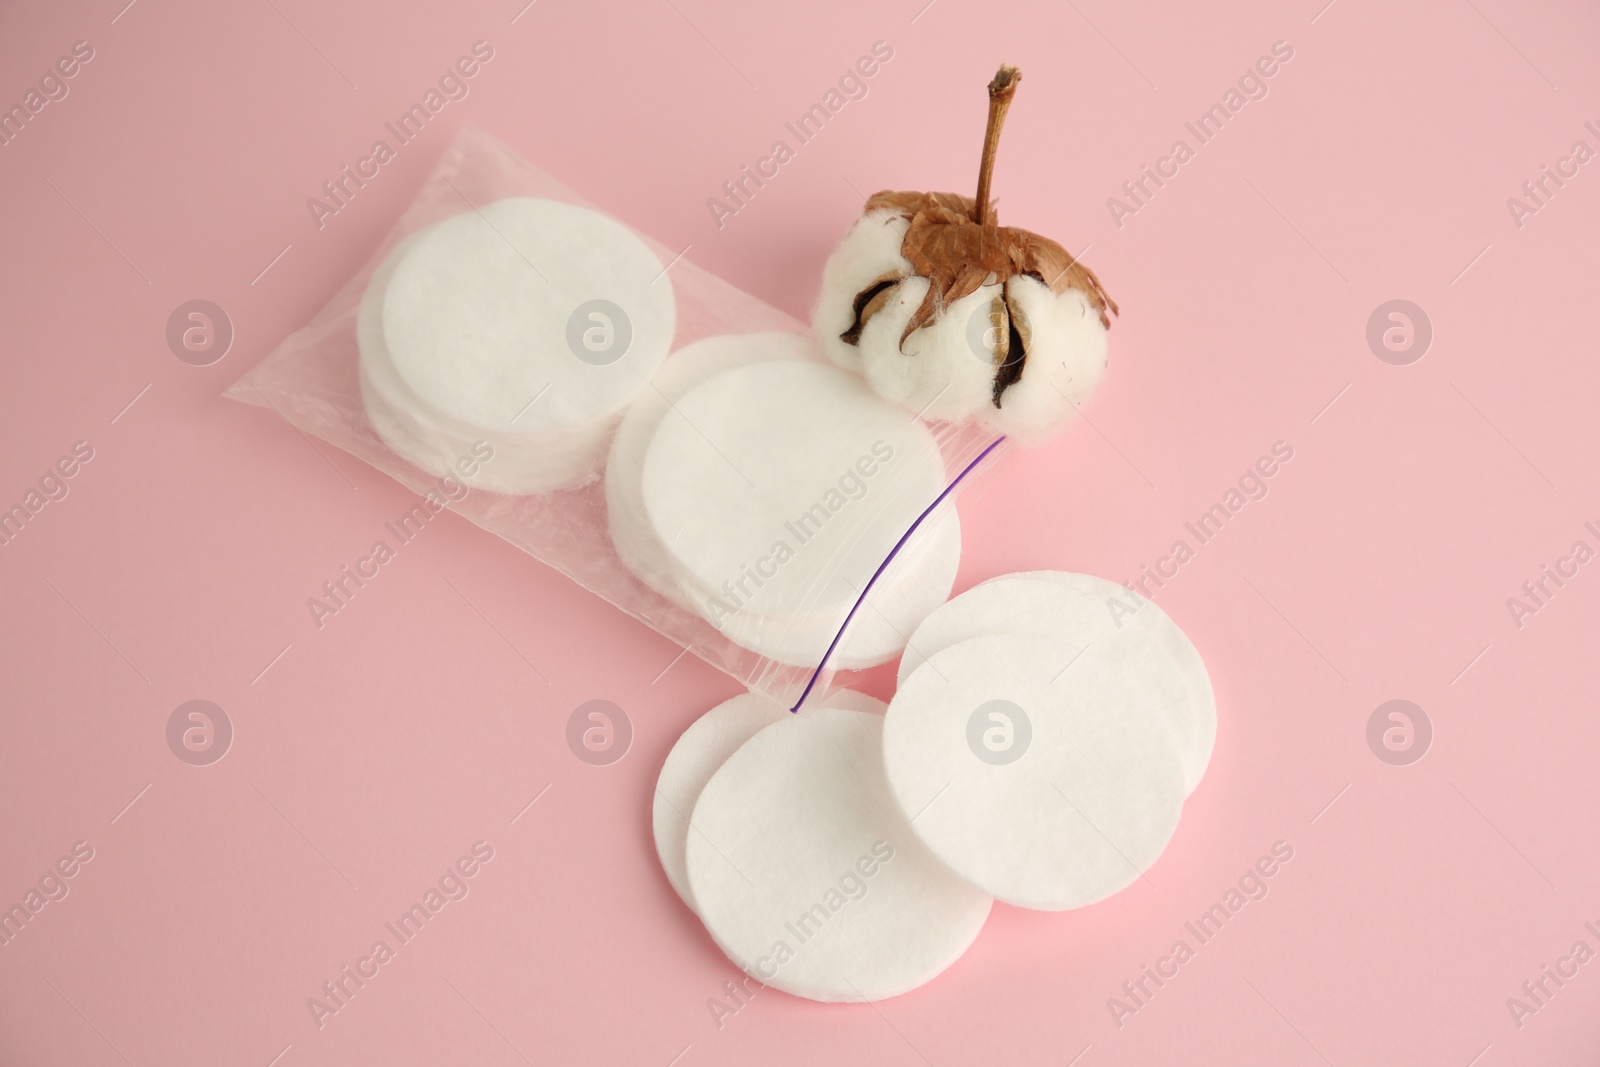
(719, 480)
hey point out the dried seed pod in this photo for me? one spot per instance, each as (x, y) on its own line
(957, 317)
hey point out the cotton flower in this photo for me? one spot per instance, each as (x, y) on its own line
(949, 314)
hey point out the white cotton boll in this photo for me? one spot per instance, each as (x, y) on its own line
(946, 371)
(868, 252)
(1066, 346)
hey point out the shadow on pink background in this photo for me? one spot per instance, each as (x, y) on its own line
(370, 755)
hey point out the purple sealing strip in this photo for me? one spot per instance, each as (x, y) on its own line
(893, 552)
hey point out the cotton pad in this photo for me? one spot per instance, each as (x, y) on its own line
(631, 533)
(851, 700)
(913, 584)
(516, 466)
(499, 317)
(475, 332)
(521, 463)
(701, 750)
(779, 488)
(1082, 611)
(809, 878)
(1024, 766)
(696, 756)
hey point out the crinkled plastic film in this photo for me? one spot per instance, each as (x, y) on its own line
(313, 380)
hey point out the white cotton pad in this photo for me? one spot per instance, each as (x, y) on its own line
(531, 462)
(498, 317)
(778, 488)
(540, 446)
(913, 584)
(696, 756)
(808, 877)
(851, 700)
(1082, 611)
(701, 750)
(917, 581)
(631, 533)
(521, 463)
(1023, 766)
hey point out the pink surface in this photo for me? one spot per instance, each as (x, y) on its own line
(371, 755)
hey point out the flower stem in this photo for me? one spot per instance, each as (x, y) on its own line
(1001, 90)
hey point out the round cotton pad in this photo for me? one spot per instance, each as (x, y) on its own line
(531, 462)
(1082, 611)
(810, 879)
(631, 533)
(780, 487)
(1028, 772)
(699, 751)
(851, 700)
(913, 584)
(527, 315)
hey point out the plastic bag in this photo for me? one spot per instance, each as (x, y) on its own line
(866, 540)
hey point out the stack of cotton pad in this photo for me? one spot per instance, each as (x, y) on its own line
(796, 859)
(764, 489)
(1080, 611)
(635, 540)
(701, 750)
(528, 325)
(1046, 731)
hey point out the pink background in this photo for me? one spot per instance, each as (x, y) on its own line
(371, 754)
